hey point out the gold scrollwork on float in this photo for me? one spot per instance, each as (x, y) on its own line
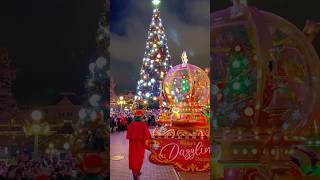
(158, 159)
(182, 132)
(192, 167)
(169, 132)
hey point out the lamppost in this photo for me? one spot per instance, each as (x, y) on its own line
(121, 101)
(36, 128)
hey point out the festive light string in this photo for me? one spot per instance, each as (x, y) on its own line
(155, 61)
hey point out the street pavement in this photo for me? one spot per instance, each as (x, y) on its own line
(120, 168)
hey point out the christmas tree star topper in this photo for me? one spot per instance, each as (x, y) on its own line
(156, 2)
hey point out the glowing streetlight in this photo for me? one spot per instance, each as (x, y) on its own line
(121, 101)
(66, 146)
(36, 115)
(36, 128)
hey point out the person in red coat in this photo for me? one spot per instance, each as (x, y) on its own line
(137, 133)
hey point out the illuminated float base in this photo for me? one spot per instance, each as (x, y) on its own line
(186, 148)
(185, 153)
(183, 140)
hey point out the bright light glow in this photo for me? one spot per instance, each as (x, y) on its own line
(147, 95)
(66, 146)
(121, 98)
(153, 80)
(101, 62)
(92, 66)
(94, 99)
(36, 115)
(156, 2)
(82, 114)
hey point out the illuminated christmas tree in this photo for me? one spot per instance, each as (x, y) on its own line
(91, 130)
(155, 62)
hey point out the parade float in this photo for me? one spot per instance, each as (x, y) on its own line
(265, 75)
(183, 138)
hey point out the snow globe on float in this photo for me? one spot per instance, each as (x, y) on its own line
(265, 76)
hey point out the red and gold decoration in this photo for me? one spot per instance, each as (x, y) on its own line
(183, 138)
(265, 76)
(190, 155)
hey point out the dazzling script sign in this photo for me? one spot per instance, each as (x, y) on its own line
(185, 154)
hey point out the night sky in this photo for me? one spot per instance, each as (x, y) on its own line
(186, 24)
(50, 43)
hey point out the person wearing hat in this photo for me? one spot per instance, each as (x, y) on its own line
(137, 133)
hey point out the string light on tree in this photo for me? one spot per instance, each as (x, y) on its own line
(156, 61)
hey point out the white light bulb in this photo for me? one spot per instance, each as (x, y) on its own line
(36, 115)
(101, 62)
(92, 66)
(82, 113)
(94, 100)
